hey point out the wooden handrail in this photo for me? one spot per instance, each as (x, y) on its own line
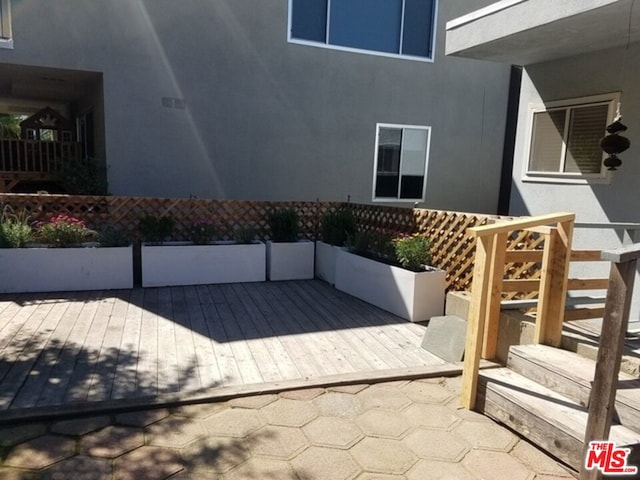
(488, 285)
(520, 224)
(611, 346)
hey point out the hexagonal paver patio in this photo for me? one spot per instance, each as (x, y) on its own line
(383, 455)
(311, 434)
(40, 452)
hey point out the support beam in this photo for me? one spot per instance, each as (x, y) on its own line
(492, 319)
(614, 328)
(477, 313)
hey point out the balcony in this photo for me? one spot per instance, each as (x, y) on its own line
(523, 32)
(34, 161)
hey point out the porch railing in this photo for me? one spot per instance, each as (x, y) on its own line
(556, 230)
(23, 160)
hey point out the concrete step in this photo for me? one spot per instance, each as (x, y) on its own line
(552, 421)
(571, 374)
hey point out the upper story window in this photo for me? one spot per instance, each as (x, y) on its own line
(403, 28)
(400, 168)
(564, 143)
(6, 37)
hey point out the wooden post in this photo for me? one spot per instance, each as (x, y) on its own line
(614, 328)
(546, 273)
(494, 287)
(476, 323)
(553, 285)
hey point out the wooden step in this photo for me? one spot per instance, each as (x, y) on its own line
(552, 421)
(570, 374)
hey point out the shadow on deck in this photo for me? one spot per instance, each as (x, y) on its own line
(96, 351)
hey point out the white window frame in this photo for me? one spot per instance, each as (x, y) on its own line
(610, 99)
(6, 40)
(375, 165)
(326, 44)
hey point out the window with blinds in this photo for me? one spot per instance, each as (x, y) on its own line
(566, 140)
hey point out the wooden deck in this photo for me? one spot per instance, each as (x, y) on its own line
(66, 349)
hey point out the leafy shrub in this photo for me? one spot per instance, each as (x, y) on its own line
(338, 226)
(87, 176)
(284, 225)
(375, 243)
(15, 230)
(202, 232)
(245, 234)
(110, 237)
(155, 229)
(64, 231)
(413, 251)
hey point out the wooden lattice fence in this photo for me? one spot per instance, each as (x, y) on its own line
(124, 213)
(453, 249)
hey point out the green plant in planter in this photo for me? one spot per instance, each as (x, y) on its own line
(202, 232)
(64, 231)
(376, 243)
(15, 231)
(284, 225)
(413, 251)
(244, 234)
(155, 229)
(110, 237)
(338, 226)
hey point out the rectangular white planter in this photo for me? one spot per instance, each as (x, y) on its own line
(413, 296)
(290, 260)
(326, 255)
(65, 269)
(186, 264)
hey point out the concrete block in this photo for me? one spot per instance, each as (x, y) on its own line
(458, 304)
(445, 337)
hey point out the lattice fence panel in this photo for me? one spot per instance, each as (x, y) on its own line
(453, 248)
(124, 213)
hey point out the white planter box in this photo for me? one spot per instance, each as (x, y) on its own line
(187, 264)
(65, 269)
(290, 260)
(326, 255)
(413, 296)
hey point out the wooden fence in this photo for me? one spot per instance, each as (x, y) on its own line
(453, 247)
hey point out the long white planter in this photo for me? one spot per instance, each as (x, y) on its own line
(290, 260)
(186, 264)
(326, 255)
(65, 269)
(413, 296)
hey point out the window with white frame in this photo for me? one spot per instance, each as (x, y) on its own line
(6, 39)
(565, 138)
(390, 27)
(402, 153)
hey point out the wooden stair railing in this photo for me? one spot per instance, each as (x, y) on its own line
(611, 346)
(488, 284)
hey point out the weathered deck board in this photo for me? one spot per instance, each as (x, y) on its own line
(62, 349)
(102, 378)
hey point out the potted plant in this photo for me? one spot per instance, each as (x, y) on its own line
(61, 254)
(336, 227)
(393, 272)
(287, 257)
(202, 259)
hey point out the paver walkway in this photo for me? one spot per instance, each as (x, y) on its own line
(399, 430)
(61, 349)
